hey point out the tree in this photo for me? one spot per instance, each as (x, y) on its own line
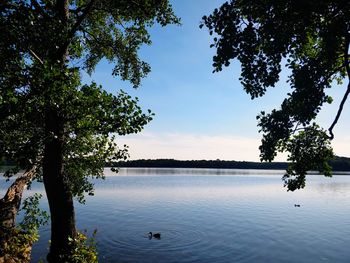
(48, 117)
(17, 238)
(9, 208)
(312, 39)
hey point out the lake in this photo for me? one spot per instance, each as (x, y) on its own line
(214, 215)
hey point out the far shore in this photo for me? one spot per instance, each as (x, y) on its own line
(339, 164)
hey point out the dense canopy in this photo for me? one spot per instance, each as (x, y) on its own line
(48, 117)
(311, 39)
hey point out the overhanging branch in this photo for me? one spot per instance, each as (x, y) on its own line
(345, 97)
(80, 20)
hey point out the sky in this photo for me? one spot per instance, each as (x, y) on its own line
(200, 114)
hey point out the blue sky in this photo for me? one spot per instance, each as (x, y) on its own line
(201, 115)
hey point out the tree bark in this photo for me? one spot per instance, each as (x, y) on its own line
(9, 206)
(58, 193)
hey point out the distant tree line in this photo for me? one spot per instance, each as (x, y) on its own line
(338, 164)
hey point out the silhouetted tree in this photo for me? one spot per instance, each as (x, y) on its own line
(312, 39)
(48, 117)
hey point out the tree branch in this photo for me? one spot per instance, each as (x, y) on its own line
(80, 19)
(77, 24)
(97, 40)
(36, 56)
(10, 203)
(62, 9)
(347, 67)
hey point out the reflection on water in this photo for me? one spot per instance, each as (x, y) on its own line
(213, 215)
(189, 171)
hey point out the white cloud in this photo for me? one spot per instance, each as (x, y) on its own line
(148, 145)
(192, 147)
(341, 145)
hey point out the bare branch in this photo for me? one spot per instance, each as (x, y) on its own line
(36, 56)
(339, 112)
(341, 106)
(297, 128)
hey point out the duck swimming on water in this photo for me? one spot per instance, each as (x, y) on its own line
(155, 235)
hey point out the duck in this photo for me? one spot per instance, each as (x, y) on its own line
(155, 235)
(296, 205)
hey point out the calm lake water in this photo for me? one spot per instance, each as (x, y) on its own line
(214, 215)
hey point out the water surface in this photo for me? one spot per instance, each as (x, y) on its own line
(214, 215)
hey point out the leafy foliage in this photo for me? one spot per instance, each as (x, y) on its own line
(309, 150)
(48, 117)
(22, 237)
(34, 217)
(312, 39)
(35, 80)
(84, 249)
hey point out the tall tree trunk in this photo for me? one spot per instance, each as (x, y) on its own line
(58, 193)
